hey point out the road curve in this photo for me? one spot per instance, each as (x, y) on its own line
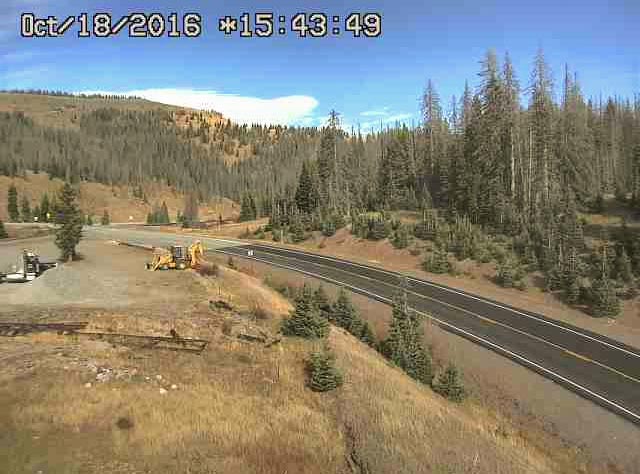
(594, 366)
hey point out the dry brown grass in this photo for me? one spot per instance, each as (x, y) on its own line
(404, 427)
(238, 407)
(118, 200)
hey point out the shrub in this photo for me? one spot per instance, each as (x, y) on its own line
(449, 385)
(400, 238)
(208, 269)
(305, 320)
(258, 312)
(323, 374)
(437, 261)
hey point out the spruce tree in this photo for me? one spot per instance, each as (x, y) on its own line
(323, 374)
(307, 194)
(449, 384)
(605, 300)
(437, 261)
(89, 220)
(305, 320)
(106, 220)
(3, 232)
(69, 232)
(622, 266)
(400, 238)
(404, 346)
(343, 312)
(246, 209)
(25, 212)
(12, 204)
(321, 301)
(366, 334)
(164, 214)
(44, 208)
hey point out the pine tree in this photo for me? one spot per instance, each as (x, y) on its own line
(321, 301)
(106, 220)
(12, 205)
(366, 334)
(622, 268)
(404, 345)
(191, 210)
(449, 385)
(605, 301)
(344, 313)
(305, 320)
(163, 218)
(400, 238)
(438, 261)
(323, 374)
(44, 208)
(25, 211)
(3, 232)
(69, 232)
(89, 220)
(246, 210)
(307, 194)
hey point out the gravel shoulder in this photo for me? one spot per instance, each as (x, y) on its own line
(108, 276)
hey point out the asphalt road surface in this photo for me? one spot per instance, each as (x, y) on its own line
(596, 367)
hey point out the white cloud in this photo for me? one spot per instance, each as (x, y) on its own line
(388, 120)
(376, 113)
(241, 109)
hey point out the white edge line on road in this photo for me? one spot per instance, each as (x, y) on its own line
(423, 282)
(444, 323)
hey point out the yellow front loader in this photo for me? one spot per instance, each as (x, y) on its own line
(177, 257)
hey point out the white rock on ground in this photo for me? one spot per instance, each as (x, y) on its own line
(174, 387)
(87, 385)
(158, 377)
(162, 391)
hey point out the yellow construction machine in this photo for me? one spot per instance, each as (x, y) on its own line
(177, 257)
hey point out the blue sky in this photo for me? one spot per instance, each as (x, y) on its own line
(297, 81)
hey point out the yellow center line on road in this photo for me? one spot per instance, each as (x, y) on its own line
(483, 318)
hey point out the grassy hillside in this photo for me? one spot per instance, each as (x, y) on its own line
(118, 200)
(239, 406)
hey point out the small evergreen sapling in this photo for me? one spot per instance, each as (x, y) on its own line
(323, 374)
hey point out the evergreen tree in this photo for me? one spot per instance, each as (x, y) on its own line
(191, 211)
(25, 211)
(437, 261)
(321, 301)
(69, 232)
(344, 313)
(164, 214)
(366, 334)
(305, 320)
(44, 208)
(449, 385)
(400, 238)
(307, 194)
(404, 345)
(605, 301)
(323, 374)
(622, 268)
(89, 220)
(247, 210)
(106, 220)
(3, 232)
(12, 205)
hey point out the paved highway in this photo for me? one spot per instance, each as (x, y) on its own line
(596, 367)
